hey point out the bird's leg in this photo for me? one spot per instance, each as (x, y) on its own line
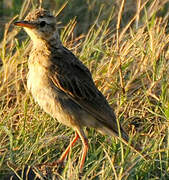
(85, 147)
(85, 150)
(79, 133)
(64, 154)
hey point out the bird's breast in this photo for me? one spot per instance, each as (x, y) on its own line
(38, 84)
(52, 100)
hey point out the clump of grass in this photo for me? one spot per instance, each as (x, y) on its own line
(132, 74)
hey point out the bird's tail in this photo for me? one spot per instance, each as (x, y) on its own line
(123, 137)
(111, 132)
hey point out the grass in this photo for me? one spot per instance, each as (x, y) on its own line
(130, 67)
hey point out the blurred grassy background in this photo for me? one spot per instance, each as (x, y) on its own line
(130, 66)
(86, 11)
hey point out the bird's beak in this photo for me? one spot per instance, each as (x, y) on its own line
(25, 24)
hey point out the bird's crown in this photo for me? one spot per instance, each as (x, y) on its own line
(38, 13)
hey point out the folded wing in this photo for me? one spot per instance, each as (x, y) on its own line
(76, 81)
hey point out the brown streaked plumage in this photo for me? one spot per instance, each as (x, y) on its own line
(62, 85)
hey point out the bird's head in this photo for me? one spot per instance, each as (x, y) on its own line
(40, 25)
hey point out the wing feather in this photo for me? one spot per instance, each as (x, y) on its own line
(73, 78)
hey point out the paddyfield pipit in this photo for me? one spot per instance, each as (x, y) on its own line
(62, 85)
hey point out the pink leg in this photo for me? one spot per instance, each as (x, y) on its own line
(64, 154)
(78, 133)
(85, 150)
(85, 146)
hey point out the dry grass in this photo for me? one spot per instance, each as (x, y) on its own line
(130, 67)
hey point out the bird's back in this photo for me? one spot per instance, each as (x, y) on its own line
(71, 76)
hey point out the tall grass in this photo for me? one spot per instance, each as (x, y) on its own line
(131, 68)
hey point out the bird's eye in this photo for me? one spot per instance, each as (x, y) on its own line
(42, 23)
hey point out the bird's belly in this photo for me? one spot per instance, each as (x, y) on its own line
(51, 100)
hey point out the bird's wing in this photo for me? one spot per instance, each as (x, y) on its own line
(73, 78)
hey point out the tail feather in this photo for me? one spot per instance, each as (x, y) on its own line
(124, 138)
(110, 132)
(124, 134)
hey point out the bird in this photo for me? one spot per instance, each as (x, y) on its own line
(63, 86)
